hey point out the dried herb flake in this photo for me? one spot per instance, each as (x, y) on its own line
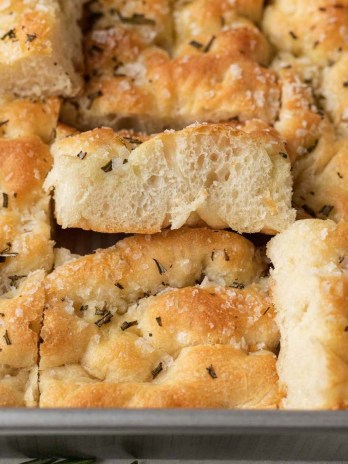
(5, 200)
(125, 325)
(157, 370)
(160, 267)
(211, 372)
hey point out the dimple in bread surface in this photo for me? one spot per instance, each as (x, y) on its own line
(152, 65)
(40, 50)
(213, 174)
(310, 288)
(173, 344)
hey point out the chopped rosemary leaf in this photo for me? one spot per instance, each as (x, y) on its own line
(2, 123)
(5, 200)
(31, 37)
(196, 44)
(84, 308)
(339, 175)
(211, 372)
(326, 210)
(209, 44)
(212, 255)
(157, 370)
(308, 210)
(105, 319)
(293, 35)
(161, 269)
(82, 155)
(11, 34)
(125, 325)
(159, 321)
(107, 167)
(237, 285)
(7, 338)
(121, 287)
(227, 258)
(137, 19)
(266, 311)
(341, 259)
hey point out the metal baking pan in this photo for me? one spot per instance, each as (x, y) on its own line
(201, 435)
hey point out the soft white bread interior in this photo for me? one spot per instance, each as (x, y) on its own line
(206, 172)
(40, 47)
(310, 291)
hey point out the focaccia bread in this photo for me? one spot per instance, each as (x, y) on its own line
(157, 64)
(40, 47)
(25, 160)
(166, 320)
(212, 173)
(20, 318)
(310, 292)
(312, 38)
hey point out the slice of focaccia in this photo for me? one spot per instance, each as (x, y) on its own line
(310, 292)
(40, 47)
(212, 173)
(177, 319)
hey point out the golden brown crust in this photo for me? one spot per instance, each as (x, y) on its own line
(24, 206)
(187, 384)
(32, 38)
(20, 118)
(20, 316)
(107, 338)
(200, 75)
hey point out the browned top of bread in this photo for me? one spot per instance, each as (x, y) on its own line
(151, 67)
(34, 60)
(20, 317)
(24, 206)
(150, 328)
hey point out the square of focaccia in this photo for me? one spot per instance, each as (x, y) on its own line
(310, 293)
(25, 229)
(40, 47)
(312, 37)
(152, 65)
(178, 319)
(205, 174)
(20, 319)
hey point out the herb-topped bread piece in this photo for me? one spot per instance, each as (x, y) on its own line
(178, 319)
(157, 64)
(310, 292)
(40, 47)
(25, 160)
(212, 173)
(312, 38)
(20, 318)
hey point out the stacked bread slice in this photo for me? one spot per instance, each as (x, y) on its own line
(185, 125)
